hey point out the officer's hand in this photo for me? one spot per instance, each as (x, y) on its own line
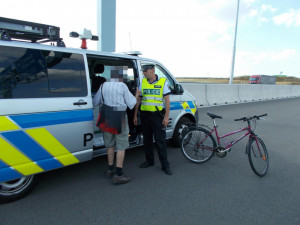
(135, 121)
(165, 121)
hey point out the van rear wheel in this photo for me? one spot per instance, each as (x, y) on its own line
(177, 135)
(16, 189)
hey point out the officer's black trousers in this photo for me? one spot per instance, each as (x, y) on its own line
(152, 125)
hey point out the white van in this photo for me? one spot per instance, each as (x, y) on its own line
(47, 120)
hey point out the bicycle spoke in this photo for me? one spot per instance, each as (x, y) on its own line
(197, 146)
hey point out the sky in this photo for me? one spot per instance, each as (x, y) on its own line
(192, 38)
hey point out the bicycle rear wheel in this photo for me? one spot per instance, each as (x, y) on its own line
(258, 156)
(198, 145)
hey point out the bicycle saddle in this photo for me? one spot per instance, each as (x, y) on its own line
(214, 116)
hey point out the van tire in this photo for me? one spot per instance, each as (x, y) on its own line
(17, 189)
(177, 137)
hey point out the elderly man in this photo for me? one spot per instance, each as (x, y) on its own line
(114, 98)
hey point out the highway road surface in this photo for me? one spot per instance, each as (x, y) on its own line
(221, 191)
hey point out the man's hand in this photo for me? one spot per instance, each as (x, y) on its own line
(137, 93)
(135, 121)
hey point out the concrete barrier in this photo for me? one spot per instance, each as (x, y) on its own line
(220, 94)
(284, 91)
(295, 90)
(269, 92)
(198, 91)
(249, 93)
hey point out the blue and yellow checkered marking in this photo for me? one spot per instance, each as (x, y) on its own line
(17, 160)
(27, 147)
(188, 106)
(54, 147)
(6, 124)
(8, 173)
(31, 149)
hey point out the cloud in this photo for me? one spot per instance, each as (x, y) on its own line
(224, 38)
(284, 54)
(184, 31)
(261, 57)
(291, 18)
(270, 8)
(253, 13)
(69, 17)
(217, 4)
(259, 14)
(251, 58)
(268, 62)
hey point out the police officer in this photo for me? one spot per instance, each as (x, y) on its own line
(154, 92)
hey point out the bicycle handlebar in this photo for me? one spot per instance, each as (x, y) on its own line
(251, 118)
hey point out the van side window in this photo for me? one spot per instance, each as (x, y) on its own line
(160, 72)
(34, 73)
(129, 79)
(65, 76)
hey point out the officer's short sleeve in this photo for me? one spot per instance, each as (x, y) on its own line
(166, 90)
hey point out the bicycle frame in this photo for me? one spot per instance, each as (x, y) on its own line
(227, 147)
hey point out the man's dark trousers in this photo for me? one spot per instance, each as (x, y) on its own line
(152, 125)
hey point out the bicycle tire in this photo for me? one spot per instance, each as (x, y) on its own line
(197, 145)
(258, 156)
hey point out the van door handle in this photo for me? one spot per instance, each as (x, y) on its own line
(80, 102)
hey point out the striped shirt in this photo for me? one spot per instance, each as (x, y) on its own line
(115, 94)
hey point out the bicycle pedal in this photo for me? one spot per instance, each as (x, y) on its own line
(221, 154)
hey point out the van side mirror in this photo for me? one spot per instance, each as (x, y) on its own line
(178, 89)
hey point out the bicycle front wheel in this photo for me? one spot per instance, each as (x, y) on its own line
(197, 145)
(258, 156)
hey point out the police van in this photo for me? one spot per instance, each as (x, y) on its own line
(47, 119)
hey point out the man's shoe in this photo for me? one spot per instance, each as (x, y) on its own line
(121, 179)
(146, 164)
(167, 170)
(110, 173)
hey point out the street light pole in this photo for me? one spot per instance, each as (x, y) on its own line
(106, 25)
(234, 43)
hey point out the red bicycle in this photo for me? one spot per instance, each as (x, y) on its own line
(198, 144)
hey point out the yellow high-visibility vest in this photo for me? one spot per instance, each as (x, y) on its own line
(152, 95)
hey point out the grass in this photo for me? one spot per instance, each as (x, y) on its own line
(237, 80)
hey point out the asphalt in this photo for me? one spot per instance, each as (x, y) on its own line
(221, 191)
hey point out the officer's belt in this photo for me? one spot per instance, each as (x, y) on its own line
(152, 103)
(152, 98)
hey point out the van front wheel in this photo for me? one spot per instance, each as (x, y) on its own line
(177, 135)
(16, 189)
